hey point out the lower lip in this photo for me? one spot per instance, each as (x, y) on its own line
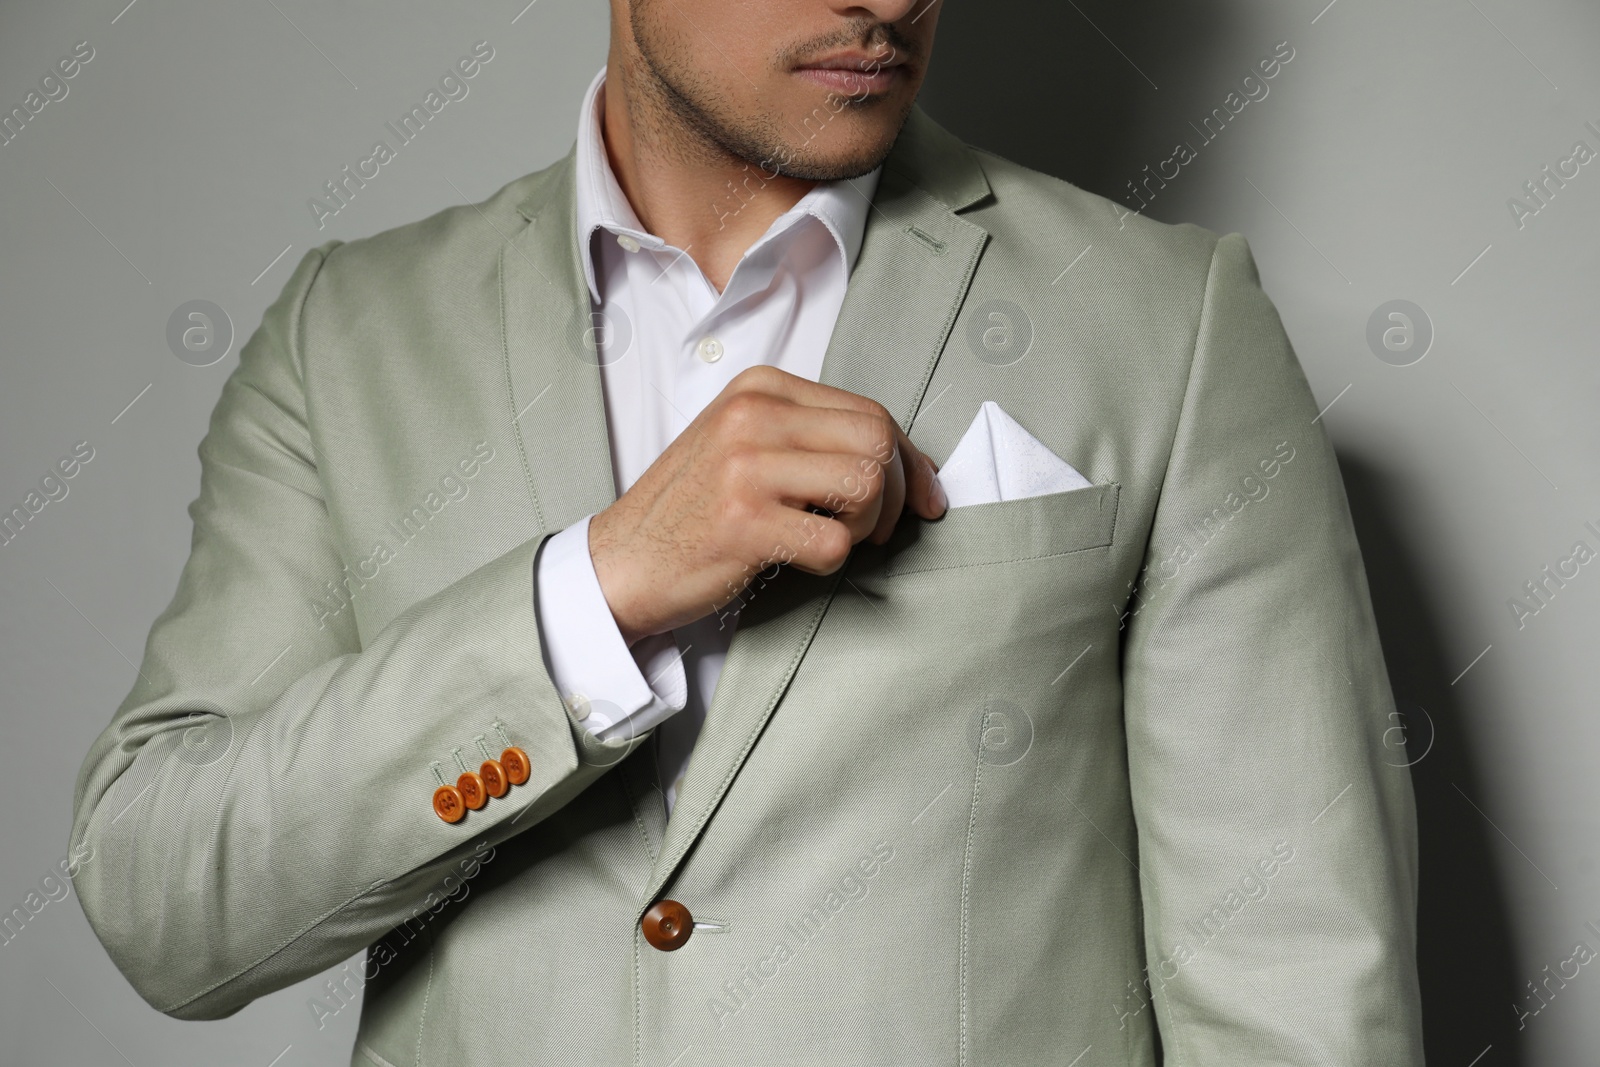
(854, 82)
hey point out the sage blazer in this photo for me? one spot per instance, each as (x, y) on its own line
(1073, 779)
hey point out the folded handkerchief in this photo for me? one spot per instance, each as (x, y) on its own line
(998, 460)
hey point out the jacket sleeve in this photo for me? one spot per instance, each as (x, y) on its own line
(259, 807)
(1276, 823)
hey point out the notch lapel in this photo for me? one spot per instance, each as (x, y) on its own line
(557, 402)
(916, 261)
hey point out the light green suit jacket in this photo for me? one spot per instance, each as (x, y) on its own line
(1069, 779)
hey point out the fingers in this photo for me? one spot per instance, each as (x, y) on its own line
(849, 454)
(776, 422)
(836, 421)
(850, 487)
(815, 544)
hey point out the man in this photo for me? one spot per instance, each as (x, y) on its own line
(792, 752)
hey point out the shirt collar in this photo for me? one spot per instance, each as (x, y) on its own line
(841, 206)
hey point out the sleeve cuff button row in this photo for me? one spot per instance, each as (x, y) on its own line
(473, 789)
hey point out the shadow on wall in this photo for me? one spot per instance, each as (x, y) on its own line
(1469, 968)
(1041, 85)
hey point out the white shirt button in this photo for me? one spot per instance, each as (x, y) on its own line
(710, 349)
(578, 704)
(628, 242)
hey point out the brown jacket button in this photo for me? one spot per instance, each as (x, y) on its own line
(667, 925)
(473, 791)
(448, 803)
(516, 763)
(493, 773)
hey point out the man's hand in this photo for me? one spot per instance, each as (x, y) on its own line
(732, 495)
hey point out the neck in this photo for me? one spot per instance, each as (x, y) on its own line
(698, 198)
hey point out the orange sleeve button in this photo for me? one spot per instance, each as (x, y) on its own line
(493, 773)
(472, 789)
(449, 804)
(515, 761)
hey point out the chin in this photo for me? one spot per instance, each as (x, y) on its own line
(832, 169)
(862, 150)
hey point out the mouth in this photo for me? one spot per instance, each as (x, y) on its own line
(856, 73)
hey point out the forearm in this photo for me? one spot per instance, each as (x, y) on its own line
(304, 830)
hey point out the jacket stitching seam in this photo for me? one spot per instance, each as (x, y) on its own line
(889, 572)
(1116, 513)
(638, 1008)
(966, 884)
(638, 820)
(511, 398)
(964, 283)
(427, 992)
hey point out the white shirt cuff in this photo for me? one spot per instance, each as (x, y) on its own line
(613, 691)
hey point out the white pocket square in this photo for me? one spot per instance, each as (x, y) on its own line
(998, 460)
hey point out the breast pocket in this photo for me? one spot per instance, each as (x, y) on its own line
(1006, 531)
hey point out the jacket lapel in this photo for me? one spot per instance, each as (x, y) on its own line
(558, 407)
(916, 260)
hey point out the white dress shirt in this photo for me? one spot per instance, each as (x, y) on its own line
(668, 344)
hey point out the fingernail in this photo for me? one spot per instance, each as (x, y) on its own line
(940, 501)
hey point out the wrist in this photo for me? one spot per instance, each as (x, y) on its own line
(615, 585)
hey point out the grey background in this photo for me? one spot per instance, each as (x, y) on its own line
(1377, 168)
